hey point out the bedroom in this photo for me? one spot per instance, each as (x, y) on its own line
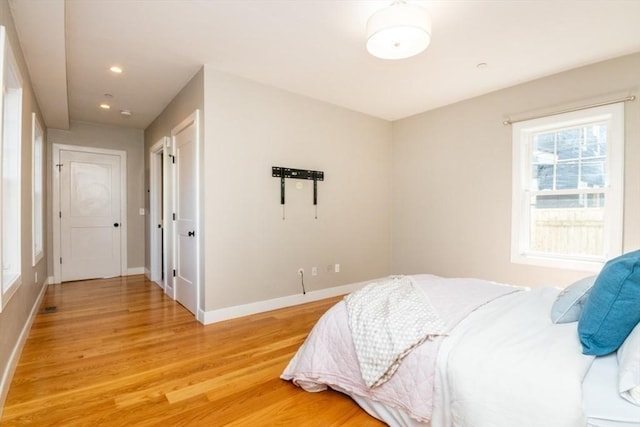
(371, 180)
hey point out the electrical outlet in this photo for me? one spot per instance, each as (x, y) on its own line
(300, 271)
(336, 268)
(314, 271)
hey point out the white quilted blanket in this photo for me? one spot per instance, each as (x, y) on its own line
(388, 319)
(328, 356)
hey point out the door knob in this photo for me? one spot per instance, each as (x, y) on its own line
(191, 233)
(115, 224)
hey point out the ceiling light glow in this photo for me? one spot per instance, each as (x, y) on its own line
(398, 31)
(105, 106)
(116, 69)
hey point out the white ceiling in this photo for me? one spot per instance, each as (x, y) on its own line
(311, 47)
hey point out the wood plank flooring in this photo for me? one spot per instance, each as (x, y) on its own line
(118, 352)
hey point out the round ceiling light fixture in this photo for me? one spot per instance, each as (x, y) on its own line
(399, 31)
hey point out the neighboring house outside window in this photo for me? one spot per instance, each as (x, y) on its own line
(568, 188)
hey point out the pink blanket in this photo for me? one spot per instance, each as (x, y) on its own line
(328, 358)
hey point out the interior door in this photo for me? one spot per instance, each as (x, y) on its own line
(186, 216)
(90, 220)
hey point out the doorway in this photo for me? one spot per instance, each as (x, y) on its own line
(174, 214)
(89, 213)
(160, 262)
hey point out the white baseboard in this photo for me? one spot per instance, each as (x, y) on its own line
(14, 358)
(50, 281)
(135, 270)
(213, 316)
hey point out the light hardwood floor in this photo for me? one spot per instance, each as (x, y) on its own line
(118, 352)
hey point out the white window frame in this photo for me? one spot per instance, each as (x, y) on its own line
(10, 74)
(613, 188)
(37, 189)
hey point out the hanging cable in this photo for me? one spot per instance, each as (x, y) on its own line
(301, 273)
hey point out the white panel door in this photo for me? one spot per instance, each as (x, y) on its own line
(186, 211)
(90, 220)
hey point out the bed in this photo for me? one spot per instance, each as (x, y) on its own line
(493, 358)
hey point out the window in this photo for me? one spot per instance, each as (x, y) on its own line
(568, 188)
(10, 142)
(37, 195)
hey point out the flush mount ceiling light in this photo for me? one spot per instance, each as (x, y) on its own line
(116, 69)
(398, 31)
(105, 106)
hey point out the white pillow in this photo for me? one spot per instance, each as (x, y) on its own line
(569, 303)
(629, 367)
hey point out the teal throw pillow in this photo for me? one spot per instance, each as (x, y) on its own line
(613, 307)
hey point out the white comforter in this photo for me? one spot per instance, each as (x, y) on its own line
(507, 365)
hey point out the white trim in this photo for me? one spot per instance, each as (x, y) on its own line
(12, 363)
(192, 120)
(135, 270)
(156, 174)
(167, 222)
(213, 316)
(147, 273)
(613, 188)
(36, 131)
(50, 280)
(6, 52)
(55, 205)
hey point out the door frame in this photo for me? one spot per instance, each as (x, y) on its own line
(160, 178)
(55, 205)
(191, 119)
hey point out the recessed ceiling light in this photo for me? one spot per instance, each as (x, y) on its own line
(108, 95)
(125, 113)
(116, 69)
(482, 65)
(105, 106)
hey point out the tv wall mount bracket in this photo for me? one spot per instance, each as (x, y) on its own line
(284, 173)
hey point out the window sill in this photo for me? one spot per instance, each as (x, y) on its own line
(11, 281)
(557, 262)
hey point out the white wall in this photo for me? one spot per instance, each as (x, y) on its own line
(452, 175)
(251, 254)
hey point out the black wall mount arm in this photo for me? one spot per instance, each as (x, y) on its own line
(283, 173)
